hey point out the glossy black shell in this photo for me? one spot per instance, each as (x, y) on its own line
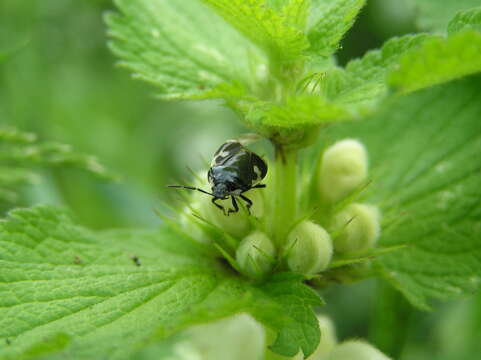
(235, 169)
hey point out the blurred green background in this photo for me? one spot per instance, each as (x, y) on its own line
(59, 81)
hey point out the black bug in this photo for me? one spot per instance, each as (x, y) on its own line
(234, 170)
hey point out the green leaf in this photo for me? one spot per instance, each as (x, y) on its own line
(181, 47)
(296, 112)
(292, 313)
(263, 26)
(464, 20)
(49, 345)
(363, 83)
(435, 14)
(438, 61)
(21, 154)
(407, 63)
(112, 293)
(335, 18)
(296, 13)
(424, 150)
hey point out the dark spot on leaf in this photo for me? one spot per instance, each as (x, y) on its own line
(77, 260)
(136, 260)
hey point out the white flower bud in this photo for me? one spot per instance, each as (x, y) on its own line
(309, 248)
(328, 337)
(343, 168)
(191, 228)
(234, 338)
(236, 224)
(358, 228)
(255, 254)
(356, 350)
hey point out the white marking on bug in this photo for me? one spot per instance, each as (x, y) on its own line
(258, 172)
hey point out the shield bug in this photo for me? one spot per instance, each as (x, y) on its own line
(234, 170)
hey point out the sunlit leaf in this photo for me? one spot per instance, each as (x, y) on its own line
(181, 47)
(109, 293)
(264, 26)
(335, 18)
(437, 61)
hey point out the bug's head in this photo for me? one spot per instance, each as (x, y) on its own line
(220, 191)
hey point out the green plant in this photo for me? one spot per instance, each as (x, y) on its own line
(412, 218)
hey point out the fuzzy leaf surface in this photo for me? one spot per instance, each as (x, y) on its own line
(405, 64)
(435, 14)
(296, 12)
(437, 61)
(296, 112)
(181, 47)
(334, 19)
(425, 169)
(67, 291)
(363, 83)
(264, 26)
(465, 20)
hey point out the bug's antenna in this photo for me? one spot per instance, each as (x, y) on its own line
(190, 188)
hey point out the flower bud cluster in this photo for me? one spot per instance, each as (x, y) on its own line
(341, 227)
(255, 253)
(330, 349)
(347, 227)
(343, 172)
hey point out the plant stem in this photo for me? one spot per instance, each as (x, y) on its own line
(390, 311)
(285, 194)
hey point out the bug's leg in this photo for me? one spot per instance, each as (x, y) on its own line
(234, 204)
(190, 188)
(258, 186)
(218, 206)
(248, 201)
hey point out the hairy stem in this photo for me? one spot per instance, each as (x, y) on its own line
(285, 194)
